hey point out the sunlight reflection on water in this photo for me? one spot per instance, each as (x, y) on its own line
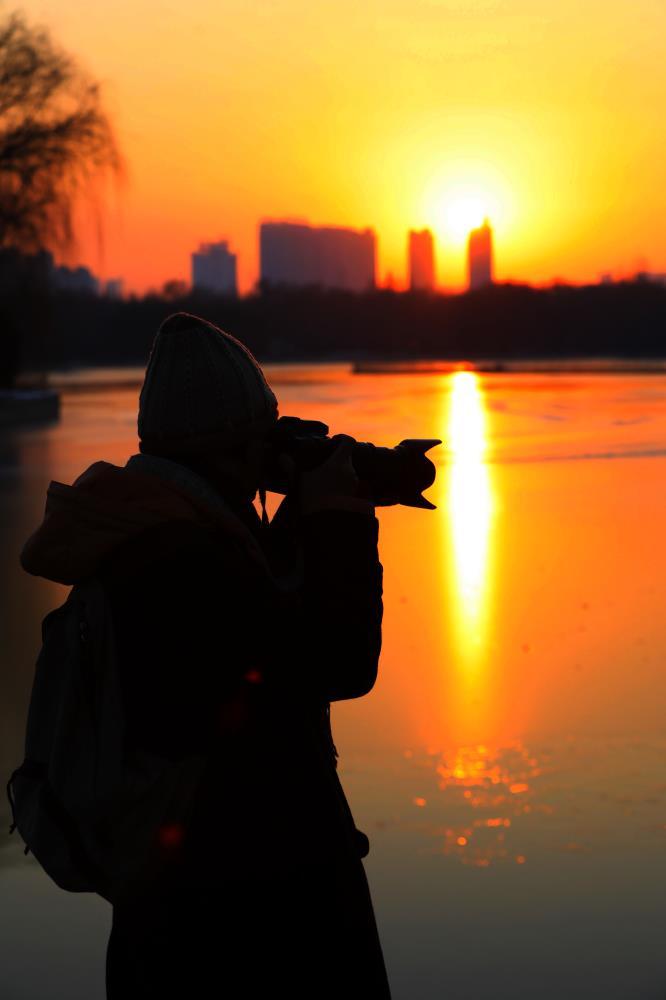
(489, 789)
(468, 501)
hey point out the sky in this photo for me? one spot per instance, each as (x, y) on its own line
(545, 115)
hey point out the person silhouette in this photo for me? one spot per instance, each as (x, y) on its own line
(233, 634)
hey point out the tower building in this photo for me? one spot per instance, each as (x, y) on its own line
(421, 255)
(214, 269)
(480, 257)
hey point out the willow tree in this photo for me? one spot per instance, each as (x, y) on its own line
(56, 141)
(55, 138)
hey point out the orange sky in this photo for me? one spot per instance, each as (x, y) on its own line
(385, 113)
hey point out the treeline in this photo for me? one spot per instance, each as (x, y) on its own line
(626, 319)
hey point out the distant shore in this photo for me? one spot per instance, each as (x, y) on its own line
(30, 405)
(528, 366)
(87, 379)
(506, 327)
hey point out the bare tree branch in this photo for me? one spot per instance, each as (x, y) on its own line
(55, 138)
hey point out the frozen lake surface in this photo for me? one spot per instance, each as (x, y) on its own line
(509, 765)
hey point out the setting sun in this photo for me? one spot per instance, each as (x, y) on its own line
(460, 213)
(466, 189)
(461, 200)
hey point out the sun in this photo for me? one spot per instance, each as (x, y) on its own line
(462, 214)
(460, 198)
(457, 212)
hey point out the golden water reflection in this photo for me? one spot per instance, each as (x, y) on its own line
(485, 795)
(469, 504)
(484, 789)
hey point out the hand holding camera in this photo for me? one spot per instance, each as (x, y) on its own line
(342, 472)
(332, 484)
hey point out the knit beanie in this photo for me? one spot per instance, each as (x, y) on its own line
(202, 389)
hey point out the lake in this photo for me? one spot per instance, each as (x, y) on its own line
(509, 764)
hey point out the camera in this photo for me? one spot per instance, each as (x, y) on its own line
(387, 476)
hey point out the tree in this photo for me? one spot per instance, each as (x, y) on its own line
(175, 289)
(55, 138)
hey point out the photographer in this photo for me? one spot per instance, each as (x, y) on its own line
(233, 635)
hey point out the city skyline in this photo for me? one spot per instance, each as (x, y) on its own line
(384, 277)
(547, 118)
(294, 254)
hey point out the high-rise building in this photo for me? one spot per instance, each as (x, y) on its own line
(297, 254)
(214, 269)
(421, 260)
(480, 257)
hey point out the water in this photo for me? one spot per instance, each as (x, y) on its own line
(508, 766)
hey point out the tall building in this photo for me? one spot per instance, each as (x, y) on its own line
(421, 260)
(296, 254)
(480, 257)
(214, 269)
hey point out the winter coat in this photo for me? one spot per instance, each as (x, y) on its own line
(233, 638)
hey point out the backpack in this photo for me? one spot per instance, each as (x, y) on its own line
(97, 816)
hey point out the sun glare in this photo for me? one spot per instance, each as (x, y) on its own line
(461, 198)
(470, 501)
(462, 213)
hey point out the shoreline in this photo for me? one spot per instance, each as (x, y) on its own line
(89, 378)
(528, 366)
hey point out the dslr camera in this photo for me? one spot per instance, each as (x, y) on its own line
(387, 476)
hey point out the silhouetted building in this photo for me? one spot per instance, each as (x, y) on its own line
(71, 279)
(296, 254)
(650, 278)
(114, 288)
(421, 260)
(480, 257)
(39, 272)
(214, 269)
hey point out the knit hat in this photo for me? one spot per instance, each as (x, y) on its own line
(202, 389)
